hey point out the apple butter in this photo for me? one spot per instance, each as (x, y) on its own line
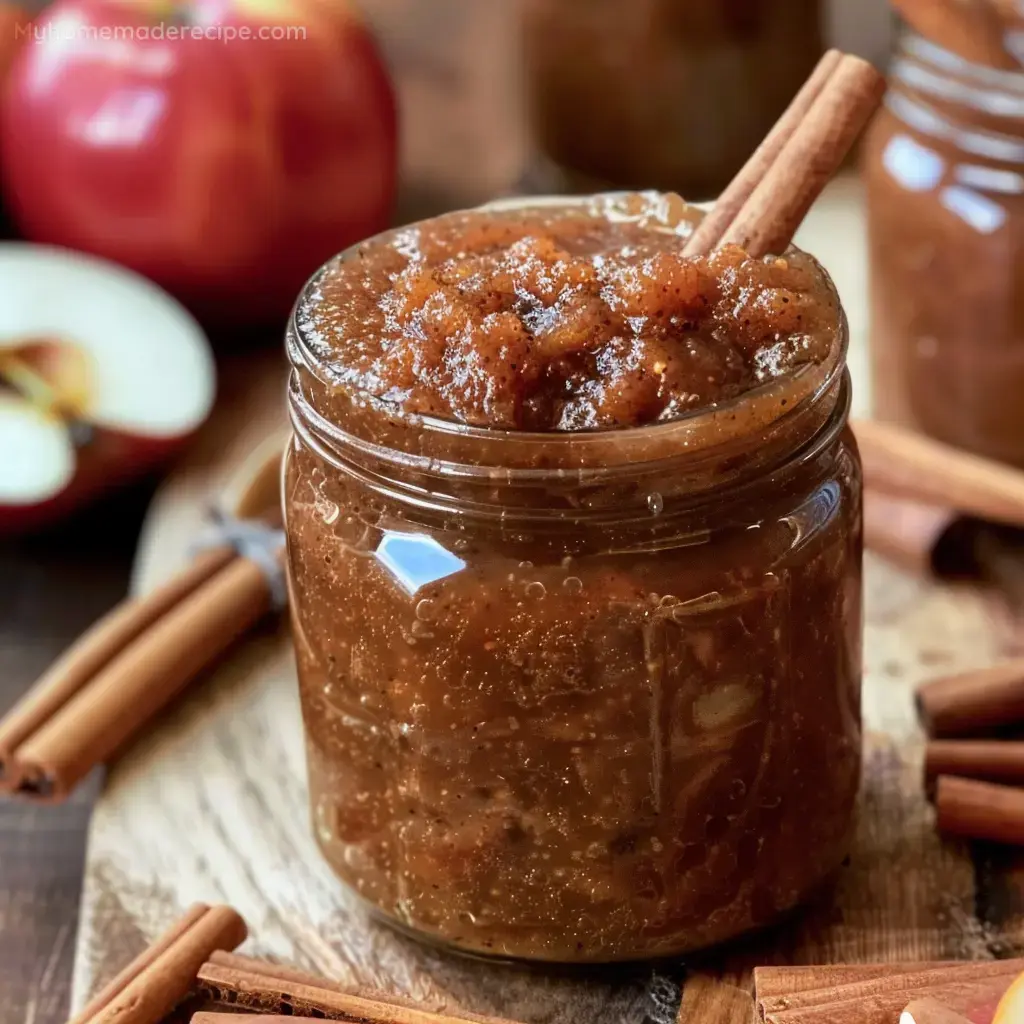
(944, 172)
(574, 551)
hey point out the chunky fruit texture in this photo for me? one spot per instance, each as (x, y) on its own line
(566, 319)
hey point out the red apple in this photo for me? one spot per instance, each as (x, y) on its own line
(102, 376)
(222, 148)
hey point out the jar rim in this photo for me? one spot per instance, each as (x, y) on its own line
(774, 410)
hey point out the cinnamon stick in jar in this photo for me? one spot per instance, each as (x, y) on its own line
(973, 702)
(768, 220)
(979, 810)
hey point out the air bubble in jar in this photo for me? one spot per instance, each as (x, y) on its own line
(655, 503)
(461, 544)
(572, 584)
(421, 630)
(536, 589)
(351, 530)
(668, 601)
(426, 610)
(526, 564)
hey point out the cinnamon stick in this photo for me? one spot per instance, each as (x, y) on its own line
(707, 234)
(101, 717)
(153, 984)
(773, 981)
(267, 989)
(929, 1011)
(902, 462)
(987, 760)
(979, 810)
(906, 533)
(768, 220)
(881, 1002)
(973, 702)
(972, 29)
(91, 653)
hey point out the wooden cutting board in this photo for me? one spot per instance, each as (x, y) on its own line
(212, 804)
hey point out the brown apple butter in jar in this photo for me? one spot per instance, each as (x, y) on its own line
(944, 170)
(574, 547)
(671, 94)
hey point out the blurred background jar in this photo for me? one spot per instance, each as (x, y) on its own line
(944, 173)
(667, 94)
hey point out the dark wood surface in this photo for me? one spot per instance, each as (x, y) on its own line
(51, 588)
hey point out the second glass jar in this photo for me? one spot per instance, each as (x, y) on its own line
(944, 170)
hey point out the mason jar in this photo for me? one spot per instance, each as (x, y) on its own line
(944, 173)
(667, 94)
(578, 697)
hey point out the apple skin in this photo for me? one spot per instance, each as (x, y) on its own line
(227, 172)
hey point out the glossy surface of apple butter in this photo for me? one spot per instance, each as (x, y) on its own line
(574, 550)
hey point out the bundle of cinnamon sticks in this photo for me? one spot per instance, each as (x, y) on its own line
(191, 972)
(976, 774)
(121, 673)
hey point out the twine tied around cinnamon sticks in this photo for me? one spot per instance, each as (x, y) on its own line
(254, 539)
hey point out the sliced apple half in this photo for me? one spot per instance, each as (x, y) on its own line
(102, 376)
(38, 456)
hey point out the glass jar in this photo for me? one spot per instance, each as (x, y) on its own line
(665, 94)
(578, 697)
(944, 171)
